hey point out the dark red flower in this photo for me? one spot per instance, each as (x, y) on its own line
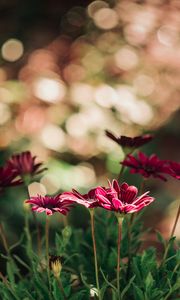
(8, 177)
(49, 204)
(122, 198)
(173, 169)
(146, 166)
(88, 200)
(128, 142)
(24, 164)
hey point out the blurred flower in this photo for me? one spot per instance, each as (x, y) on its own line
(8, 177)
(55, 265)
(24, 164)
(49, 204)
(147, 166)
(129, 142)
(122, 198)
(88, 200)
(173, 169)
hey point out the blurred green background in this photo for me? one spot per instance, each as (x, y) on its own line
(71, 69)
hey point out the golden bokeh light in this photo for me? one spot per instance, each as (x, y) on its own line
(106, 18)
(36, 188)
(12, 50)
(126, 58)
(49, 89)
(106, 96)
(53, 137)
(95, 6)
(5, 113)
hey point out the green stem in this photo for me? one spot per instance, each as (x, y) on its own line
(121, 172)
(175, 222)
(28, 235)
(119, 218)
(47, 252)
(129, 223)
(4, 240)
(36, 224)
(142, 186)
(172, 234)
(95, 252)
(61, 287)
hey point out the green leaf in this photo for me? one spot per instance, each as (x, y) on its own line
(127, 287)
(138, 294)
(149, 281)
(160, 238)
(81, 295)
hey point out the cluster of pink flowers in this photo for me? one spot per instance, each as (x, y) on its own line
(18, 166)
(152, 166)
(142, 164)
(121, 199)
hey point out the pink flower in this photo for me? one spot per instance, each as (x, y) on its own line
(24, 164)
(173, 169)
(122, 198)
(88, 200)
(8, 177)
(146, 166)
(130, 142)
(50, 204)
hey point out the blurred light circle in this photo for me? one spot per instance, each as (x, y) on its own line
(106, 18)
(84, 175)
(81, 93)
(12, 50)
(141, 113)
(51, 183)
(73, 73)
(95, 6)
(5, 113)
(49, 89)
(36, 188)
(53, 137)
(6, 95)
(77, 125)
(144, 85)
(135, 34)
(126, 58)
(3, 75)
(76, 16)
(106, 96)
(167, 36)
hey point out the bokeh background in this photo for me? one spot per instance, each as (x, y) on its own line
(71, 69)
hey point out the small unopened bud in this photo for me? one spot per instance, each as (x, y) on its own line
(26, 206)
(55, 265)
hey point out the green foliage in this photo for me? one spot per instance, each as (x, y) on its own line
(143, 278)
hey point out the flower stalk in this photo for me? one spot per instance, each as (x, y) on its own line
(95, 253)
(175, 223)
(119, 219)
(47, 251)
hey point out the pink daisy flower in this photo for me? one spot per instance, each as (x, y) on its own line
(147, 166)
(50, 204)
(130, 142)
(88, 200)
(122, 198)
(24, 164)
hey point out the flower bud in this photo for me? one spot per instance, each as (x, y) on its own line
(55, 265)
(26, 206)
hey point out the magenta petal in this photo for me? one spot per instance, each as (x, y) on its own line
(102, 199)
(48, 212)
(38, 209)
(130, 194)
(117, 203)
(124, 186)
